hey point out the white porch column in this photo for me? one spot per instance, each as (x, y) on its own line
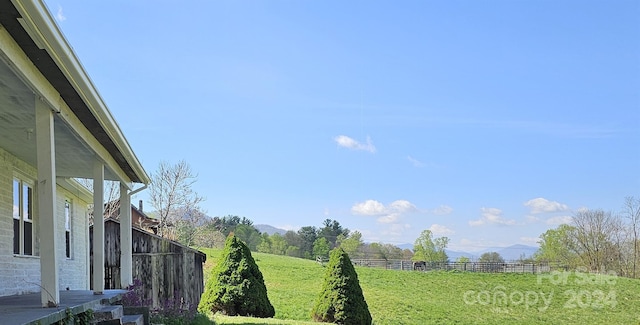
(47, 219)
(126, 249)
(98, 228)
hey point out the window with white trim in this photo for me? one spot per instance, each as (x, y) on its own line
(23, 225)
(67, 226)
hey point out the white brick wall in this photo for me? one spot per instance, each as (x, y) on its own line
(73, 271)
(21, 274)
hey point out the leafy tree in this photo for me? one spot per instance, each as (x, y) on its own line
(265, 243)
(331, 230)
(236, 285)
(293, 251)
(308, 236)
(292, 238)
(558, 245)
(385, 251)
(428, 249)
(491, 257)
(463, 259)
(351, 244)
(248, 234)
(278, 244)
(407, 254)
(321, 247)
(228, 224)
(341, 300)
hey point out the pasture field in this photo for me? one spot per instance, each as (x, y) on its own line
(413, 297)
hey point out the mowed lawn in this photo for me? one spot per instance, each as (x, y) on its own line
(412, 297)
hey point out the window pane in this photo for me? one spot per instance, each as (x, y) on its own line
(16, 236)
(28, 238)
(68, 244)
(67, 215)
(27, 199)
(67, 226)
(16, 199)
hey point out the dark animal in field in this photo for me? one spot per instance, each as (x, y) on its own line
(420, 265)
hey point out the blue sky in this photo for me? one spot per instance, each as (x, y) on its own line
(485, 121)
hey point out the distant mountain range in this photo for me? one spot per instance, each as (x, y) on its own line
(269, 229)
(509, 253)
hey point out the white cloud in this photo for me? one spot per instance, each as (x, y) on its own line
(60, 15)
(559, 220)
(389, 214)
(442, 210)
(542, 205)
(415, 162)
(440, 230)
(491, 216)
(395, 230)
(347, 142)
(389, 218)
(401, 206)
(368, 208)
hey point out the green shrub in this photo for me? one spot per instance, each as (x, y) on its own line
(341, 300)
(235, 285)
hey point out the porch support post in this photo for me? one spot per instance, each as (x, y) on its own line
(47, 219)
(126, 250)
(98, 228)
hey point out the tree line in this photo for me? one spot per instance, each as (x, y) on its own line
(596, 240)
(308, 242)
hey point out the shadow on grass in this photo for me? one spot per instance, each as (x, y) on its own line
(239, 320)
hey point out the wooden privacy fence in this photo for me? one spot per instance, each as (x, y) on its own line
(407, 265)
(168, 271)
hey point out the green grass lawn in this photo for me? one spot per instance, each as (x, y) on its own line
(404, 297)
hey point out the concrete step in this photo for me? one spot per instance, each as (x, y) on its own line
(106, 315)
(109, 322)
(132, 320)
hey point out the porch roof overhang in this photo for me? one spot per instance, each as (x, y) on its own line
(37, 63)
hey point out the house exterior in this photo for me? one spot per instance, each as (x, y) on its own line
(54, 128)
(139, 219)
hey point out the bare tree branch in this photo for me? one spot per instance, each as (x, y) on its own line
(170, 193)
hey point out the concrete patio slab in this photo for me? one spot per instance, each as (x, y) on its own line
(27, 309)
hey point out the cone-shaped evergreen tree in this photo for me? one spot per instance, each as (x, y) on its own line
(236, 286)
(341, 300)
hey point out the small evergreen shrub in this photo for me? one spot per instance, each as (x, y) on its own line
(236, 286)
(341, 300)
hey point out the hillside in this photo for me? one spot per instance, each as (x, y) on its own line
(412, 297)
(269, 229)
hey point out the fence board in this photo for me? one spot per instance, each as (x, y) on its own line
(167, 270)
